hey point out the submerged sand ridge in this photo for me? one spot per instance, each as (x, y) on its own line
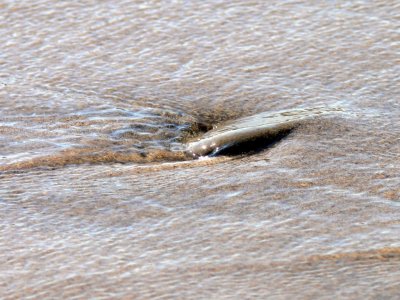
(94, 135)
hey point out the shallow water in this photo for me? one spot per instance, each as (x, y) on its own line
(98, 198)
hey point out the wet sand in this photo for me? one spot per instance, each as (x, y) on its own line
(99, 200)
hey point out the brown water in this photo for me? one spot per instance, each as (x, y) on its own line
(98, 198)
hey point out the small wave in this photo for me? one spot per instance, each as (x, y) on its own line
(252, 133)
(156, 136)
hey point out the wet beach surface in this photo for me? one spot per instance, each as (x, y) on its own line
(99, 199)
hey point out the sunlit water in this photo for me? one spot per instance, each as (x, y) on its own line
(100, 199)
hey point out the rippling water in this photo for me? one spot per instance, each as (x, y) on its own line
(99, 198)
